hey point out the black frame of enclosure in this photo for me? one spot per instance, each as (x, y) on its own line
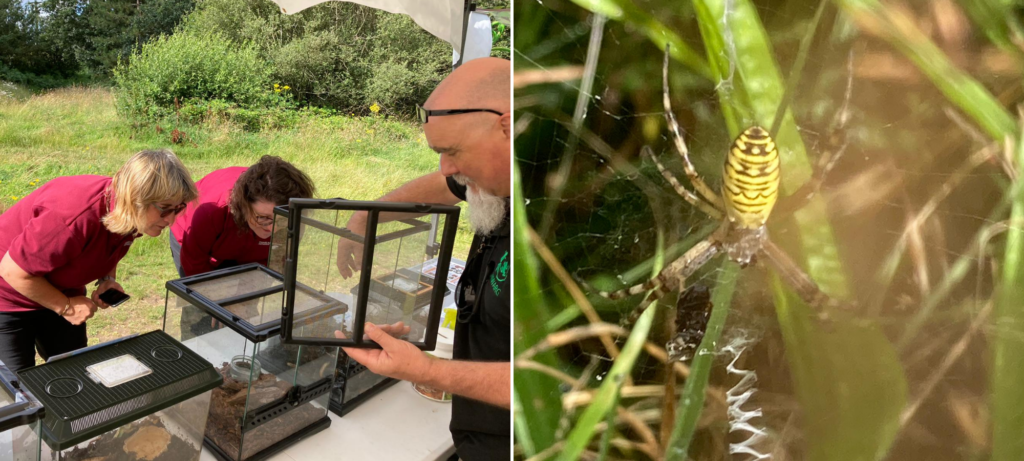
(254, 333)
(340, 407)
(373, 209)
(18, 413)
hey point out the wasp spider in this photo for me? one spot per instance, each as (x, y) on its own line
(749, 191)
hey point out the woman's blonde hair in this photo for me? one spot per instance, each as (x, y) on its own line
(149, 177)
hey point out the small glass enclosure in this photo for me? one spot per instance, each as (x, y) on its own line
(20, 414)
(273, 394)
(143, 397)
(383, 282)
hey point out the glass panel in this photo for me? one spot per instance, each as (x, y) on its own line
(255, 311)
(175, 432)
(329, 260)
(231, 354)
(321, 231)
(399, 290)
(282, 367)
(20, 443)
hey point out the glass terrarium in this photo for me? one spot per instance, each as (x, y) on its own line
(20, 414)
(143, 397)
(274, 394)
(387, 285)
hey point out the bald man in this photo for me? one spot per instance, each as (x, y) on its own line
(467, 121)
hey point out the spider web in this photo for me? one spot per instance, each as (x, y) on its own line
(914, 177)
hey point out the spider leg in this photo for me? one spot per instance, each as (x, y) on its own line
(835, 146)
(707, 208)
(706, 192)
(674, 276)
(801, 283)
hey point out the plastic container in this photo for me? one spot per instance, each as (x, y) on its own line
(142, 397)
(273, 395)
(444, 348)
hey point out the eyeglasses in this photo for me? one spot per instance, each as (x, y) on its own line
(165, 212)
(263, 221)
(424, 114)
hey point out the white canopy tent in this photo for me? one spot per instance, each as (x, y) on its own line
(445, 19)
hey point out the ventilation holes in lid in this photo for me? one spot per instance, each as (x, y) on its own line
(166, 353)
(63, 387)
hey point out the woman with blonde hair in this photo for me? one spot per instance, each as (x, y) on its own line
(71, 232)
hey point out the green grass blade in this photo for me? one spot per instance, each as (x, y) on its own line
(538, 400)
(658, 33)
(1008, 342)
(959, 88)
(691, 402)
(848, 379)
(722, 70)
(607, 394)
(997, 20)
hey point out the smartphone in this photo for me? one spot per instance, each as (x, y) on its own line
(113, 297)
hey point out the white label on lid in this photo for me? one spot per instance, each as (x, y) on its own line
(118, 370)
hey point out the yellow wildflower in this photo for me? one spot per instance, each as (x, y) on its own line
(276, 85)
(14, 197)
(375, 108)
(277, 90)
(287, 87)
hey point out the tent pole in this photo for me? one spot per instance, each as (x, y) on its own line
(468, 7)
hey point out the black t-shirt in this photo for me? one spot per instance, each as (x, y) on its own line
(480, 430)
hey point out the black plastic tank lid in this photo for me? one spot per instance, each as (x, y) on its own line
(80, 407)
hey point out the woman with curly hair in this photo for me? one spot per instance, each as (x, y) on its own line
(231, 222)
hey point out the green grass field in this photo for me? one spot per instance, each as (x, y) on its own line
(76, 131)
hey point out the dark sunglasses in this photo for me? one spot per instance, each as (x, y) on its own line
(424, 114)
(165, 212)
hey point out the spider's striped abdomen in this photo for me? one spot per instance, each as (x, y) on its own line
(751, 178)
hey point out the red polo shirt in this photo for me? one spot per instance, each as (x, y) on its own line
(207, 232)
(55, 232)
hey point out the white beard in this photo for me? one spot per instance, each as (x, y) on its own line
(486, 211)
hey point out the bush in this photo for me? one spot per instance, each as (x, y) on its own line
(193, 66)
(336, 55)
(406, 63)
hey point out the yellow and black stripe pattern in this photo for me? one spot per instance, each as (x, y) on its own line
(751, 178)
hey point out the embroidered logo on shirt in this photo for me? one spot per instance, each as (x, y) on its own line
(500, 274)
(264, 243)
